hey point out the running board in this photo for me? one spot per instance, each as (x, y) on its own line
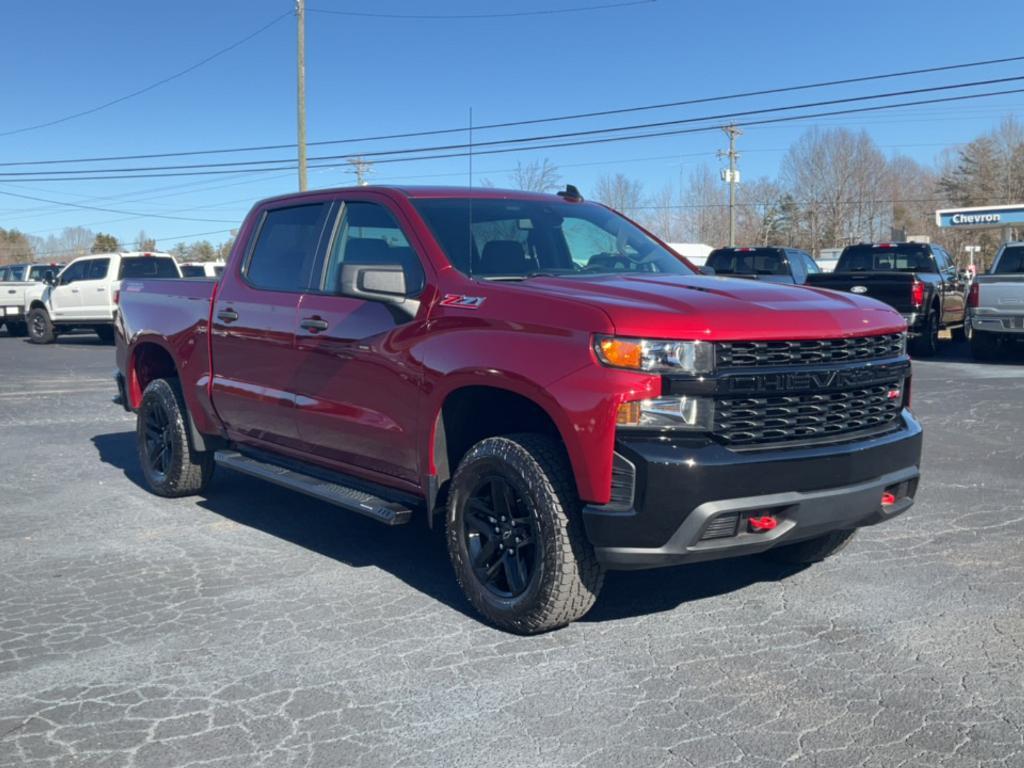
(381, 510)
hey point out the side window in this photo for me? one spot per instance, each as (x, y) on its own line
(369, 234)
(74, 273)
(796, 264)
(286, 247)
(811, 264)
(96, 269)
(940, 259)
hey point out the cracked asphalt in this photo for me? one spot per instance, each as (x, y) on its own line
(254, 627)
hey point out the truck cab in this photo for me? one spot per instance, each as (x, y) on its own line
(996, 304)
(84, 293)
(769, 263)
(15, 279)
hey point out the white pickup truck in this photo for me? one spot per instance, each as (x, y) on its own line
(84, 293)
(996, 304)
(15, 279)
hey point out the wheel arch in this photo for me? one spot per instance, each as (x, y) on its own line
(150, 360)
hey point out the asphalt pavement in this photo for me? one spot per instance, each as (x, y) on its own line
(254, 627)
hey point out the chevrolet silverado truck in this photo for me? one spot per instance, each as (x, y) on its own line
(84, 293)
(919, 280)
(536, 374)
(769, 263)
(15, 279)
(996, 304)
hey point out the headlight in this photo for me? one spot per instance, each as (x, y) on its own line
(673, 412)
(655, 355)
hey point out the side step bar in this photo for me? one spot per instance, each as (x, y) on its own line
(381, 510)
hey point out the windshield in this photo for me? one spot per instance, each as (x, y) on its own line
(1011, 262)
(148, 266)
(514, 239)
(748, 261)
(907, 257)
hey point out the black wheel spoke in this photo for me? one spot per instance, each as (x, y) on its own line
(501, 498)
(514, 573)
(483, 557)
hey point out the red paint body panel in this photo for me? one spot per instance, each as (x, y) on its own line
(364, 395)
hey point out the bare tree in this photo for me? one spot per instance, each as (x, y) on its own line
(705, 212)
(621, 193)
(144, 242)
(538, 176)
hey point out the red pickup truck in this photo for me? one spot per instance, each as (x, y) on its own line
(535, 372)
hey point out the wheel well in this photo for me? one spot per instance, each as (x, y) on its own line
(36, 305)
(149, 362)
(472, 414)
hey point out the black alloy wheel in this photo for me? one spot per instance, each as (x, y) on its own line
(500, 535)
(159, 445)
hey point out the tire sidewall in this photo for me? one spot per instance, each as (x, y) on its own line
(39, 337)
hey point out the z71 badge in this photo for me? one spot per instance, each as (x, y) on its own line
(463, 302)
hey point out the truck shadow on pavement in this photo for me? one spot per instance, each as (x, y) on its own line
(418, 556)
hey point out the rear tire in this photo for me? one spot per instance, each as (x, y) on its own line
(516, 538)
(170, 464)
(984, 346)
(106, 333)
(927, 344)
(811, 551)
(40, 327)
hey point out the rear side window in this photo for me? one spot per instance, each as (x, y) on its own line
(285, 250)
(97, 269)
(748, 261)
(147, 266)
(885, 258)
(1011, 262)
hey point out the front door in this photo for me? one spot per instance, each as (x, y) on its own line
(65, 296)
(255, 363)
(358, 396)
(94, 290)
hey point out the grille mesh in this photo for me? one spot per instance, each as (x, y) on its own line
(759, 420)
(749, 354)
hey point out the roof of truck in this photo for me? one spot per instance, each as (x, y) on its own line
(415, 191)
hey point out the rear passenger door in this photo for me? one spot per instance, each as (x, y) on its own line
(94, 290)
(255, 364)
(358, 396)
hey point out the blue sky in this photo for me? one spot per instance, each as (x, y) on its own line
(370, 76)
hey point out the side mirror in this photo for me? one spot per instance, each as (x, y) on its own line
(706, 270)
(378, 282)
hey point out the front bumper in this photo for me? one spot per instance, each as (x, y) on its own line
(693, 503)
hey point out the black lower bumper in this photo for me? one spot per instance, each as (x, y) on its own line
(693, 503)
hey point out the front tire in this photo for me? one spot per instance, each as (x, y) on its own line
(927, 344)
(171, 466)
(516, 538)
(812, 550)
(40, 327)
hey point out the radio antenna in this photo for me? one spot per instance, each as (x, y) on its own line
(470, 227)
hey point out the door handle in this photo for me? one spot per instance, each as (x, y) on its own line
(74, 290)
(314, 324)
(227, 315)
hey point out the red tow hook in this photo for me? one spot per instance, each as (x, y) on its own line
(888, 499)
(762, 524)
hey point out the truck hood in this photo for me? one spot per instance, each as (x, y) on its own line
(722, 308)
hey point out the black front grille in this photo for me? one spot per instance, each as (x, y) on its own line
(751, 354)
(752, 421)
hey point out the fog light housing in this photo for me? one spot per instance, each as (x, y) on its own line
(695, 414)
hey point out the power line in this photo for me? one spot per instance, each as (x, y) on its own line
(499, 15)
(151, 86)
(534, 121)
(113, 210)
(68, 251)
(552, 145)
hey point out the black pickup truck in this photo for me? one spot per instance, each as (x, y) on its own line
(918, 280)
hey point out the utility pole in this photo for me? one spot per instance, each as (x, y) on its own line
(361, 168)
(300, 15)
(732, 176)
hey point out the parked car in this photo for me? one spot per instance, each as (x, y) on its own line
(14, 280)
(919, 280)
(84, 293)
(535, 373)
(996, 303)
(201, 268)
(771, 264)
